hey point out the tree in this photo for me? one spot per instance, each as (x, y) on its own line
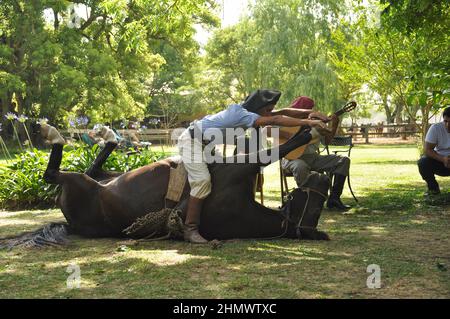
(426, 23)
(283, 45)
(102, 63)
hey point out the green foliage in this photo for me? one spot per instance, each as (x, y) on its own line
(404, 62)
(22, 183)
(283, 45)
(57, 61)
(81, 158)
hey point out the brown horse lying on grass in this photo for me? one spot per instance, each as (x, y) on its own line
(103, 204)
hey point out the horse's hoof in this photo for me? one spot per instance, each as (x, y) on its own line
(51, 134)
(108, 135)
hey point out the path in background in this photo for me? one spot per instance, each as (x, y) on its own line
(387, 140)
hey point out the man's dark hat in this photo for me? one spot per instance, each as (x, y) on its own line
(260, 99)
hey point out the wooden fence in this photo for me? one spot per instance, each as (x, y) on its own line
(155, 136)
(366, 131)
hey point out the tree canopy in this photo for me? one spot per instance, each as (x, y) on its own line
(102, 58)
(115, 59)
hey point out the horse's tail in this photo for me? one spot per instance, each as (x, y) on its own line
(54, 234)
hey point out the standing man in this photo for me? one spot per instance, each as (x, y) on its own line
(436, 160)
(255, 111)
(311, 160)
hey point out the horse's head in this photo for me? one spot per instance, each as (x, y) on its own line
(304, 207)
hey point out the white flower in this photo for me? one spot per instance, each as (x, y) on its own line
(22, 118)
(10, 116)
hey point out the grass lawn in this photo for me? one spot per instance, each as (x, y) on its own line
(392, 227)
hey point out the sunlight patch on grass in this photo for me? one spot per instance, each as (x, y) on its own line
(30, 214)
(418, 222)
(11, 222)
(7, 269)
(162, 257)
(80, 261)
(376, 229)
(340, 254)
(292, 254)
(85, 284)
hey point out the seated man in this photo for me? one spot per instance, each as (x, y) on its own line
(437, 152)
(311, 160)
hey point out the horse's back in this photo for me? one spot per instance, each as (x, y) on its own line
(136, 193)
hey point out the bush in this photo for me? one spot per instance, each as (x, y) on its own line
(22, 184)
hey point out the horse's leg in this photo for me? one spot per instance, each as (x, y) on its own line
(52, 173)
(96, 168)
(78, 199)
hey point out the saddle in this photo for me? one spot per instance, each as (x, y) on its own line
(177, 180)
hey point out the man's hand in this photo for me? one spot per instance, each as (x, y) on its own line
(334, 118)
(320, 126)
(320, 116)
(446, 161)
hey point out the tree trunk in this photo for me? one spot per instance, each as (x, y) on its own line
(389, 115)
(398, 112)
(425, 118)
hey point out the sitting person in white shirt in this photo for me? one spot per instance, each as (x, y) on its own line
(436, 160)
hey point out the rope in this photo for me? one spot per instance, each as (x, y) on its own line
(165, 223)
(297, 230)
(299, 226)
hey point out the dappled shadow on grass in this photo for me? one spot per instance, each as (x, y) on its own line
(17, 222)
(398, 197)
(241, 269)
(404, 241)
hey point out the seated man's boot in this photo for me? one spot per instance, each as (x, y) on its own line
(334, 202)
(192, 221)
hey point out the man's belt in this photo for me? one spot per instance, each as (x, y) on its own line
(199, 138)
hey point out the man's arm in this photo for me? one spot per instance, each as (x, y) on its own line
(281, 134)
(287, 121)
(291, 112)
(430, 152)
(301, 114)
